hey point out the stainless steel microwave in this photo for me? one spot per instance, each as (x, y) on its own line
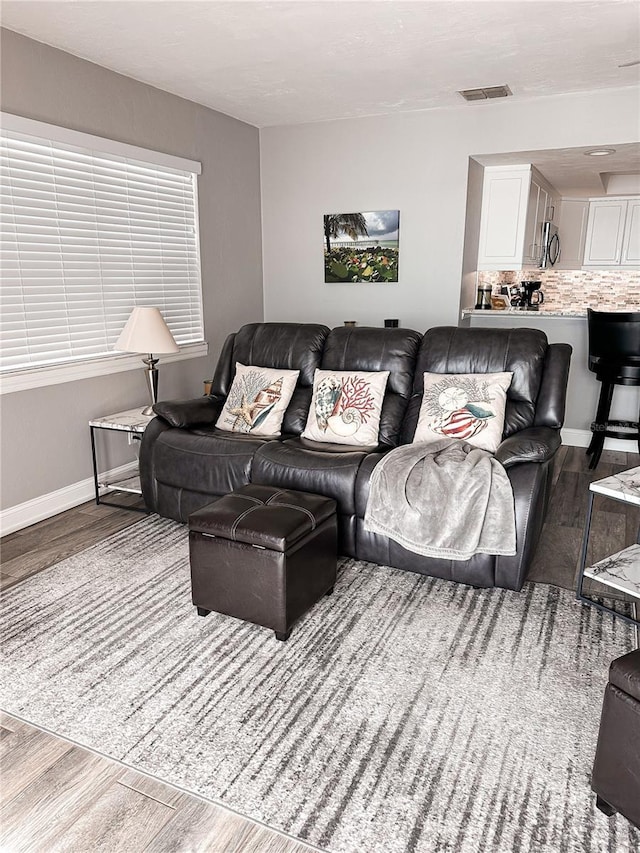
(550, 245)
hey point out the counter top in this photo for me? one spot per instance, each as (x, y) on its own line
(518, 312)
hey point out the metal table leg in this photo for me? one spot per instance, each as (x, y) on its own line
(95, 465)
(585, 546)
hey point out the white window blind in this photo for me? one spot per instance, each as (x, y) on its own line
(87, 235)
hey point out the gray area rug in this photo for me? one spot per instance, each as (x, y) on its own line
(404, 714)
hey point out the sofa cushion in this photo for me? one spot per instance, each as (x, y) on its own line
(375, 349)
(205, 459)
(346, 407)
(295, 463)
(468, 406)
(448, 349)
(285, 346)
(258, 399)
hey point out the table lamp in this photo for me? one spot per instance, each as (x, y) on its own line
(146, 331)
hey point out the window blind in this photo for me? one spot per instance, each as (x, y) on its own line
(86, 236)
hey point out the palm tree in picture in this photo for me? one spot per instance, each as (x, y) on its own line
(352, 224)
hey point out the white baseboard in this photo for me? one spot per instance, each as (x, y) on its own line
(22, 515)
(582, 438)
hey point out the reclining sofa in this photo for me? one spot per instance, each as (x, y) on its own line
(186, 462)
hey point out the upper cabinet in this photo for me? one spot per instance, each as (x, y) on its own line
(516, 200)
(572, 227)
(613, 233)
(631, 240)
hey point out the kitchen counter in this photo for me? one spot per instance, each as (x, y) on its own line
(520, 312)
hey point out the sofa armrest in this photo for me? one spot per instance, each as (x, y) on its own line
(189, 413)
(535, 444)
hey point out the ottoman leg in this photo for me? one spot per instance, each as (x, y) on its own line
(283, 637)
(202, 611)
(604, 806)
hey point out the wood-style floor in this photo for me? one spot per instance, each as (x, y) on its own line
(58, 796)
(614, 525)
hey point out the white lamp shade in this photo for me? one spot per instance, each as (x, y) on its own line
(146, 331)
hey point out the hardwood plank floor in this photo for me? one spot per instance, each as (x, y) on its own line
(77, 801)
(59, 796)
(41, 545)
(614, 524)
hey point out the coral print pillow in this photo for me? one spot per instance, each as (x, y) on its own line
(468, 406)
(346, 407)
(258, 399)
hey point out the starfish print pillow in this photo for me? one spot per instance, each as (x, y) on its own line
(346, 407)
(258, 399)
(468, 406)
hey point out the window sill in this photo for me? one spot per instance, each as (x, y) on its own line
(39, 377)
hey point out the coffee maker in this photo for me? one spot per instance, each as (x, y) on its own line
(532, 296)
(484, 297)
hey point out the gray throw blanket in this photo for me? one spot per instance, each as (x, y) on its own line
(443, 499)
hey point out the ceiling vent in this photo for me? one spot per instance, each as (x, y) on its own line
(485, 94)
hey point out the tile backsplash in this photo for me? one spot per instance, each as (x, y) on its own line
(575, 290)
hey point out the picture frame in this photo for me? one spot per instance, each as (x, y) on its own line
(361, 247)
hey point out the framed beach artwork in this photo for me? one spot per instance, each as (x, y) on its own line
(361, 247)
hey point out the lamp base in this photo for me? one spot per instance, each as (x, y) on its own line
(152, 382)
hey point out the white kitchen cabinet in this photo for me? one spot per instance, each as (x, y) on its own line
(516, 200)
(631, 240)
(537, 201)
(613, 233)
(572, 227)
(605, 230)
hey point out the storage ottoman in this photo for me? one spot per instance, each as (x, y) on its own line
(616, 769)
(263, 554)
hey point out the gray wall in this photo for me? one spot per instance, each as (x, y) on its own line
(417, 163)
(45, 438)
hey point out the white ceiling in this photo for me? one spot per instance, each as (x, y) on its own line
(291, 61)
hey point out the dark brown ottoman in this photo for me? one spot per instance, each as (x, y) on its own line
(616, 769)
(263, 554)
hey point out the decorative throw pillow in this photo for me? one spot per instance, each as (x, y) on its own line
(469, 406)
(258, 399)
(346, 406)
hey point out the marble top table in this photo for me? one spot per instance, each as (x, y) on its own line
(620, 571)
(130, 421)
(134, 423)
(624, 486)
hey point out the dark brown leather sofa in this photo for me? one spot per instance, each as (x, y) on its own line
(185, 462)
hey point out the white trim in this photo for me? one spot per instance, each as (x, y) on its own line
(56, 374)
(582, 438)
(22, 515)
(20, 124)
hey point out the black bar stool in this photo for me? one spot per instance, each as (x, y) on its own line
(614, 356)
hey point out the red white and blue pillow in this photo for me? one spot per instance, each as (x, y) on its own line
(467, 406)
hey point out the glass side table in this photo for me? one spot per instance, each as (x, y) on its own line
(133, 423)
(620, 571)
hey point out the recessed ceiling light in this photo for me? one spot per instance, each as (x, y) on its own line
(600, 152)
